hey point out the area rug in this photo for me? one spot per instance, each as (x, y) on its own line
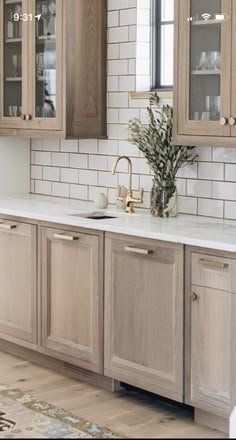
(23, 417)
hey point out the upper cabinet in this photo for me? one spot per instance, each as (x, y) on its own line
(205, 70)
(53, 68)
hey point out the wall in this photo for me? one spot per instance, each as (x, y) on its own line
(82, 169)
(14, 166)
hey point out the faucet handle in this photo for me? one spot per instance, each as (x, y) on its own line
(140, 199)
(119, 196)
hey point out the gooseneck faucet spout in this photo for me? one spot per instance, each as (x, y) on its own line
(130, 171)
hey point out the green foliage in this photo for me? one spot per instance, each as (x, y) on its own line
(155, 141)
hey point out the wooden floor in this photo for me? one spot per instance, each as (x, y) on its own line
(127, 413)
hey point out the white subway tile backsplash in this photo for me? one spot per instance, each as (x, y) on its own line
(117, 131)
(36, 172)
(94, 192)
(127, 83)
(60, 159)
(128, 149)
(117, 67)
(60, 190)
(113, 84)
(43, 187)
(112, 18)
(108, 147)
(118, 100)
(69, 175)
(79, 192)
(224, 155)
(51, 173)
(211, 171)
(128, 50)
(132, 33)
(78, 161)
(88, 146)
(88, 177)
(107, 180)
(199, 188)
(230, 172)
(112, 116)
(211, 208)
(51, 145)
(146, 182)
(181, 185)
(187, 205)
(98, 162)
(121, 4)
(230, 210)
(42, 158)
(224, 190)
(126, 114)
(70, 146)
(123, 180)
(113, 51)
(128, 17)
(36, 144)
(118, 34)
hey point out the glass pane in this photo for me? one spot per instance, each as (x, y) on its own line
(12, 59)
(46, 59)
(205, 56)
(167, 10)
(167, 54)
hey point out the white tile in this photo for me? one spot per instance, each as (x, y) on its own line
(32, 189)
(199, 188)
(146, 182)
(51, 173)
(143, 4)
(117, 131)
(230, 210)
(128, 17)
(143, 34)
(51, 145)
(94, 192)
(36, 144)
(230, 172)
(70, 146)
(113, 51)
(61, 190)
(112, 115)
(113, 84)
(224, 190)
(109, 147)
(78, 161)
(88, 146)
(107, 179)
(204, 154)
(138, 103)
(211, 208)
(36, 172)
(188, 171)
(118, 34)
(143, 67)
(42, 187)
(143, 83)
(132, 67)
(187, 205)
(117, 67)
(143, 17)
(211, 171)
(60, 159)
(146, 201)
(113, 18)
(42, 158)
(88, 177)
(143, 50)
(32, 157)
(181, 185)
(69, 175)
(128, 149)
(128, 50)
(98, 162)
(127, 83)
(123, 180)
(121, 4)
(112, 196)
(140, 166)
(126, 114)
(79, 192)
(224, 155)
(133, 33)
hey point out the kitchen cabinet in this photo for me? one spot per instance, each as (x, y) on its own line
(72, 297)
(18, 283)
(205, 69)
(211, 325)
(144, 314)
(53, 68)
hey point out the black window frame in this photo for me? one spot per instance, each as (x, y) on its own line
(156, 47)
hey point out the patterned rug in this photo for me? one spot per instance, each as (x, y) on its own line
(23, 417)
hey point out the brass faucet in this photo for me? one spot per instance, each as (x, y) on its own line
(129, 199)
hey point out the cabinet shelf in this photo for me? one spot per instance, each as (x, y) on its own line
(14, 79)
(206, 72)
(204, 23)
(46, 37)
(13, 40)
(12, 2)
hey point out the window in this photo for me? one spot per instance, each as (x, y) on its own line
(163, 44)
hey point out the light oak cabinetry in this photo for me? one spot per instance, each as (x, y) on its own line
(210, 333)
(72, 297)
(53, 68)
(144, 314)
(18, 283)
(205, 69)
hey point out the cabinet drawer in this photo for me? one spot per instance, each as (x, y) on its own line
(213, 272)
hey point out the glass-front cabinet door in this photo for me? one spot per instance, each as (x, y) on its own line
(204, 66)
(46, 51)
(13, 69)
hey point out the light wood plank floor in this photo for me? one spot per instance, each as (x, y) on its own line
(127, 413)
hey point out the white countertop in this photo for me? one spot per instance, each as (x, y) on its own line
(185, 229)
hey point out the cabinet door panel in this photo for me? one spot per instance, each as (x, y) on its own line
(144, 316)
(204, 74)
(18, 282)
(72, 297)
(211, 349)
(13, 64)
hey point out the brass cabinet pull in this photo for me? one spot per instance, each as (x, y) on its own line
(232, 121)
(223, 121)
(213, 264)
(66, 237)
(28, 117)
(194, 297)
(7, 227)
(139, 251)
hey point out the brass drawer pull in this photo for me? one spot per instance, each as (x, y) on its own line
(66, 237)
(213, 264)
(139, 251)
(194, 297)
(7, 226)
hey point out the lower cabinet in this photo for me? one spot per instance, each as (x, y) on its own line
(211, 315)
(18, 283)
(72, 297)
(144, 314)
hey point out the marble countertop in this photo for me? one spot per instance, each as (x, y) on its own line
(185, 229)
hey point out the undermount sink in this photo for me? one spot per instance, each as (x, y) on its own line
(94, 216)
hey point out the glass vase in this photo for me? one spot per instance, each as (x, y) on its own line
(164, 199)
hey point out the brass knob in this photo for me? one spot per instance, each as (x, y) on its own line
(23, 117)
(223, 121)
(28, 117)
(193, 296)
(232, 121)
